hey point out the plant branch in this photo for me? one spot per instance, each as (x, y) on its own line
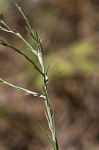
(29, 27)
(22, 89)
(48, 113)
(9, 30)
(39, 53)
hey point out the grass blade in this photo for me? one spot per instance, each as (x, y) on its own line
(4, 43)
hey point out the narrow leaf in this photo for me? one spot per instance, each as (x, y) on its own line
(49, 138)
(4, 43)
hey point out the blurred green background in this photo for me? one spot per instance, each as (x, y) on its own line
(69, 30)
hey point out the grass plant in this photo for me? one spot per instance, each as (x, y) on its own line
(41, 70)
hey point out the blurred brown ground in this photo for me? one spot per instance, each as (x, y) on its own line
(69, 31)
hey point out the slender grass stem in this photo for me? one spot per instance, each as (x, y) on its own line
(27, 92)
(41, 70)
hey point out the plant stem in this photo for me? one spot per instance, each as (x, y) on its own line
(38, 53)
(50, 116)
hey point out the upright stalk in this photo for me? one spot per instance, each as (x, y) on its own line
(41, 70)
(49, 114)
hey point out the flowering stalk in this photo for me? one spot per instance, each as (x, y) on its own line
(39, 54)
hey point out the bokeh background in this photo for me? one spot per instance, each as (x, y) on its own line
(70, 34)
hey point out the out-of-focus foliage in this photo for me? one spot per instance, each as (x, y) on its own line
(69, 30)
(3, 114)
(4, 6)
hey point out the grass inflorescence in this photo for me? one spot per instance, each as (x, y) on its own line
(41, 70)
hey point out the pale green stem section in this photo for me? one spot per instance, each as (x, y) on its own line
(49, 114)
(50, 118)
(22, 89)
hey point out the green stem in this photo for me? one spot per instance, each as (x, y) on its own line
(50, 116)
